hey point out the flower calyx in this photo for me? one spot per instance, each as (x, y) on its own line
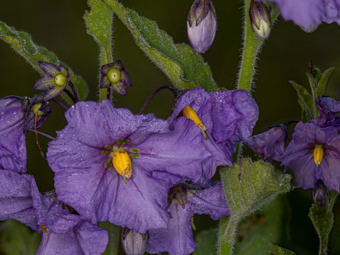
(190, 113)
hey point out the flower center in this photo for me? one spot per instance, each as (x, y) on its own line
(318, 154)
(43, 228)
(60, 80)
(122, 163)
(113, 75)
(190, 113)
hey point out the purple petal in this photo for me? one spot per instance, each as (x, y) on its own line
(328, 108)
(12, 138)
(44, 83)
(49, 69)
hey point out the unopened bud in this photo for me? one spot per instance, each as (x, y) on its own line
(260, 19)
(201, 25)
(320, 194)
(134, 243)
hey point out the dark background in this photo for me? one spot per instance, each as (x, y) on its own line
(59, 26)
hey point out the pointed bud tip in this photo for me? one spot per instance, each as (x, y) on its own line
(260, 19)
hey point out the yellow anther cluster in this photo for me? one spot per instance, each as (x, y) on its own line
(190, 113)
(43, 228)
(122, 163)
(318, 154)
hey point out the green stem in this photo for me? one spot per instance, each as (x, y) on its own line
(114, 237)
(228, 232)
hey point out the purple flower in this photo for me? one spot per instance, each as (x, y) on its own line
(327, 108)
(55, 80)
(17, 116)
(224, 118)
(201, 25)
(270, 144)
(62, 232)
(184, 202)
(108, 162)
(114, 76)
(314, 154)
(309, 14)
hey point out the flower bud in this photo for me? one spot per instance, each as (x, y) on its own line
(260, 19)
(201, 25)
(320, 194)
(134, 243)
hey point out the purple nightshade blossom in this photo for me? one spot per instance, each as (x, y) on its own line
(270, 144)
(227, 117)
(114, 76)
(327, 108)
(184, 202)
(55, 80)
(112, 165)
(16, 118)
(62, 232)
(314, 154)
(309, 14)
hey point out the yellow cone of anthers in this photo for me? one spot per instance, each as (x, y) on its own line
(318, 154)
(122, 163)
(190, 113)
(43, 228)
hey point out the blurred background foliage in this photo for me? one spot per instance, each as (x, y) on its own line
(58, 25)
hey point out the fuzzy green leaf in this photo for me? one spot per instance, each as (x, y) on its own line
(277, 250)
(22, 44)
(184, 67)
(321, 87)
(17, 239)
(206, 242)
(305, 100)
(99, 25)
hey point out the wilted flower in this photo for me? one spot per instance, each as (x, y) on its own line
(55, 80)
(184, 202)
(201, 25)
(108, 162)
(260, 19)
(114, 76)
(309, 14)
(62, 232)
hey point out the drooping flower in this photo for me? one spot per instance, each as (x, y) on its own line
(201, 25)
(108, 162)
(184, 202)
(223, 118)
(314, 154)
(114, 76)
(55, 80)
(62, 232)
(16, 118)
(309, 14)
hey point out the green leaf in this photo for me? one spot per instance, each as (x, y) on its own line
(323, 220)
(206, 242)
(248, 186)
(22, 43)
(305, 100)
(259, 230)
(17, 239)
(321, 87)
(277, 250)
(99, 23)
(184, 67)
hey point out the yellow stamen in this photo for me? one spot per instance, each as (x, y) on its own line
(190, 113)
(318, 154)
(192, 223)
(122, 163)
(43, 228)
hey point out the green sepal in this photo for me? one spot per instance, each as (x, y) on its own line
(323, 220)
(305, 100)
(206, 242)
(277, 250)
(22, 44)
(321, 86)
(261, 229)
(17, 239)
(183, 66)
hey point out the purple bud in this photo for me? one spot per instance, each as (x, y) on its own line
(201, 25)
(320, 194)
(134, 243)
(260, 19)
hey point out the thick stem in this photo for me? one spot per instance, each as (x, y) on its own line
(114, 235)
(227, 233)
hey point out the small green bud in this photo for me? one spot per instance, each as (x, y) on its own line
(60, 80)
(260, 19)
(133, 242)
